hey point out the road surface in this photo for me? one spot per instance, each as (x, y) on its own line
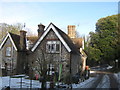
(103, 79)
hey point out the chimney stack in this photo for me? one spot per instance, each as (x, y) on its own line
(40, 29)
(71, 31)
(23, 40)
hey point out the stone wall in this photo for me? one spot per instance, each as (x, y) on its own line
(0, 63)
(63, 57)
(10, 60)
(55, 58)
(21, 62)
(75, 63)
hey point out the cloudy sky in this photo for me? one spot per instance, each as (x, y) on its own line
(82, 14)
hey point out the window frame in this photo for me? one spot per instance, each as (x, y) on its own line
(8, 51)
(51, 46)
(50, 68)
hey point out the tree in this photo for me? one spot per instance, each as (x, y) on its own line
(104, 42)
(107, 29)
(43, 66)
(4, 28)
(108, 23)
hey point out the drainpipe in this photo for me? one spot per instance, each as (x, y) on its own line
(70, 71)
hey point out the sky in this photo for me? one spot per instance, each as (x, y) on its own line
(82, 14)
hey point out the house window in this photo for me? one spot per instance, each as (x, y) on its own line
(8, 51)
(53, 47)
(50, 68)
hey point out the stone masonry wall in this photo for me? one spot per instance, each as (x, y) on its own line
(55, 58)
(75, 66)
(11, 60)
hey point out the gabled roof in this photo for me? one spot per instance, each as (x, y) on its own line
(15, 40)
(64, 38)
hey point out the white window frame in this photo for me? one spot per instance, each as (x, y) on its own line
(51, 46)
(50, 68)
(8, 51)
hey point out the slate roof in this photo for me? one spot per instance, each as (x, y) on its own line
(64, 36)
(16, 39)
(68, 40)
(33, 39)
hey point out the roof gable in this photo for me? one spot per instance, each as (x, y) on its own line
(51, 26)
(68, 40)
(63, 37)
(13, 38)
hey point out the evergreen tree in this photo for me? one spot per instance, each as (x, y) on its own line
(104, 44)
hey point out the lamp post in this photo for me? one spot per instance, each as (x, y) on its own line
(117, 63)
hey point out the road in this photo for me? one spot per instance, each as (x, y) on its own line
(105, 80)
(113, 81)
(100, 79)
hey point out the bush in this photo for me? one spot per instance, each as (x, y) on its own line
(67, 79)
(75, 79)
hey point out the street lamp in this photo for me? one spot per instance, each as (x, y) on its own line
(116, 63)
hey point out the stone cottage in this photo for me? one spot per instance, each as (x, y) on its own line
(58, 49)
(13, 53)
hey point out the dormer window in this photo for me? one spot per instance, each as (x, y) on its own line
(8, 51)
(53, 47)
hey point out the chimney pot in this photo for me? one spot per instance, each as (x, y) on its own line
(40, 29)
